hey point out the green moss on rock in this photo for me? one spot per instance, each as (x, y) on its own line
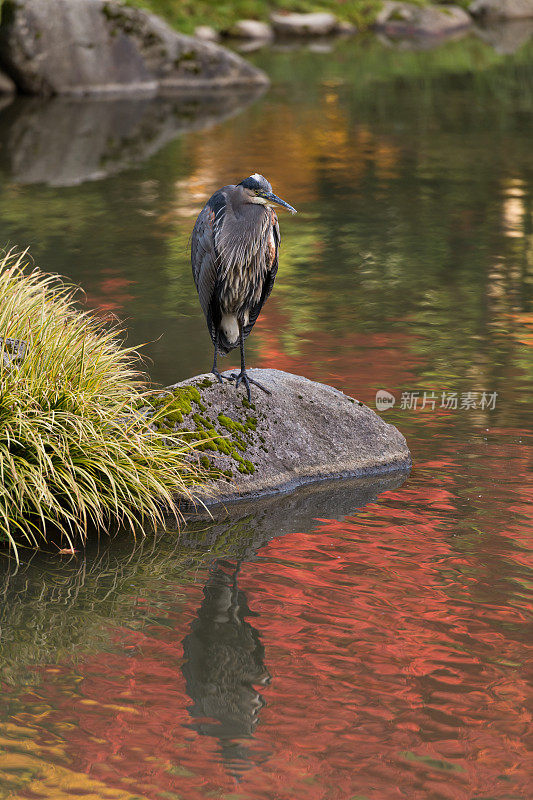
(205, 383)
(230, 424)
(182, 410)
(246, 467)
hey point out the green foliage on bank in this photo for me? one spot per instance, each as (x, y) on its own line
(185, 15)
(74, 454)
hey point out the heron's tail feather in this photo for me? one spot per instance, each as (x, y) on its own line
(224, 347)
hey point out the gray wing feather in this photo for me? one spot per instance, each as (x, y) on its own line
(204, 262)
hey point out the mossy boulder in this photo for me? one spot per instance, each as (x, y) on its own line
(104, 47)
(304, 431)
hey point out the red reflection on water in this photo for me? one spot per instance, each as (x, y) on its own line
(397, 648)
(110, 293)
(362, 358)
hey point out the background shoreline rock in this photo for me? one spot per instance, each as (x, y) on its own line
(399, 19)
(321, 23)
(101, 47)
(502, 9)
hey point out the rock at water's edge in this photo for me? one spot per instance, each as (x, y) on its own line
(505, 36)
(405, 19)
(319, 23)
(251, 29)
(103, 47)
(346, 28)
(206, 33)
(303, 431)
(502, 9)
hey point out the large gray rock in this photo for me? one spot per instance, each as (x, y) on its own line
(302, 432)
(502, 9)
(405, 19)
(103, 47)
(318, 24)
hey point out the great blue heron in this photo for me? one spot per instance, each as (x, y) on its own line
(234, 256)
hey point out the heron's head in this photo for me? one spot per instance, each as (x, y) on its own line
(257, 189)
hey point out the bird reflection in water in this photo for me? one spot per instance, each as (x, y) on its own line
(224, 662)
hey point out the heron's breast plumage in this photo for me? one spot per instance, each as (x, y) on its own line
(246, 248)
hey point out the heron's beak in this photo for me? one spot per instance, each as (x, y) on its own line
(273, 198)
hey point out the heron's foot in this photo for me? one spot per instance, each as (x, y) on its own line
(221, 378)
(242, 377)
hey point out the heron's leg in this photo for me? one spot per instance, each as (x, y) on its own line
(215, 371)
(243, 375)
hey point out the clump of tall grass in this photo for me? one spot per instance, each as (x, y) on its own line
(74, 453)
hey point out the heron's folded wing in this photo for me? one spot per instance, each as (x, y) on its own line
(204, 260)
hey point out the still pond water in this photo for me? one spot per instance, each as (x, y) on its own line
(365, 641)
